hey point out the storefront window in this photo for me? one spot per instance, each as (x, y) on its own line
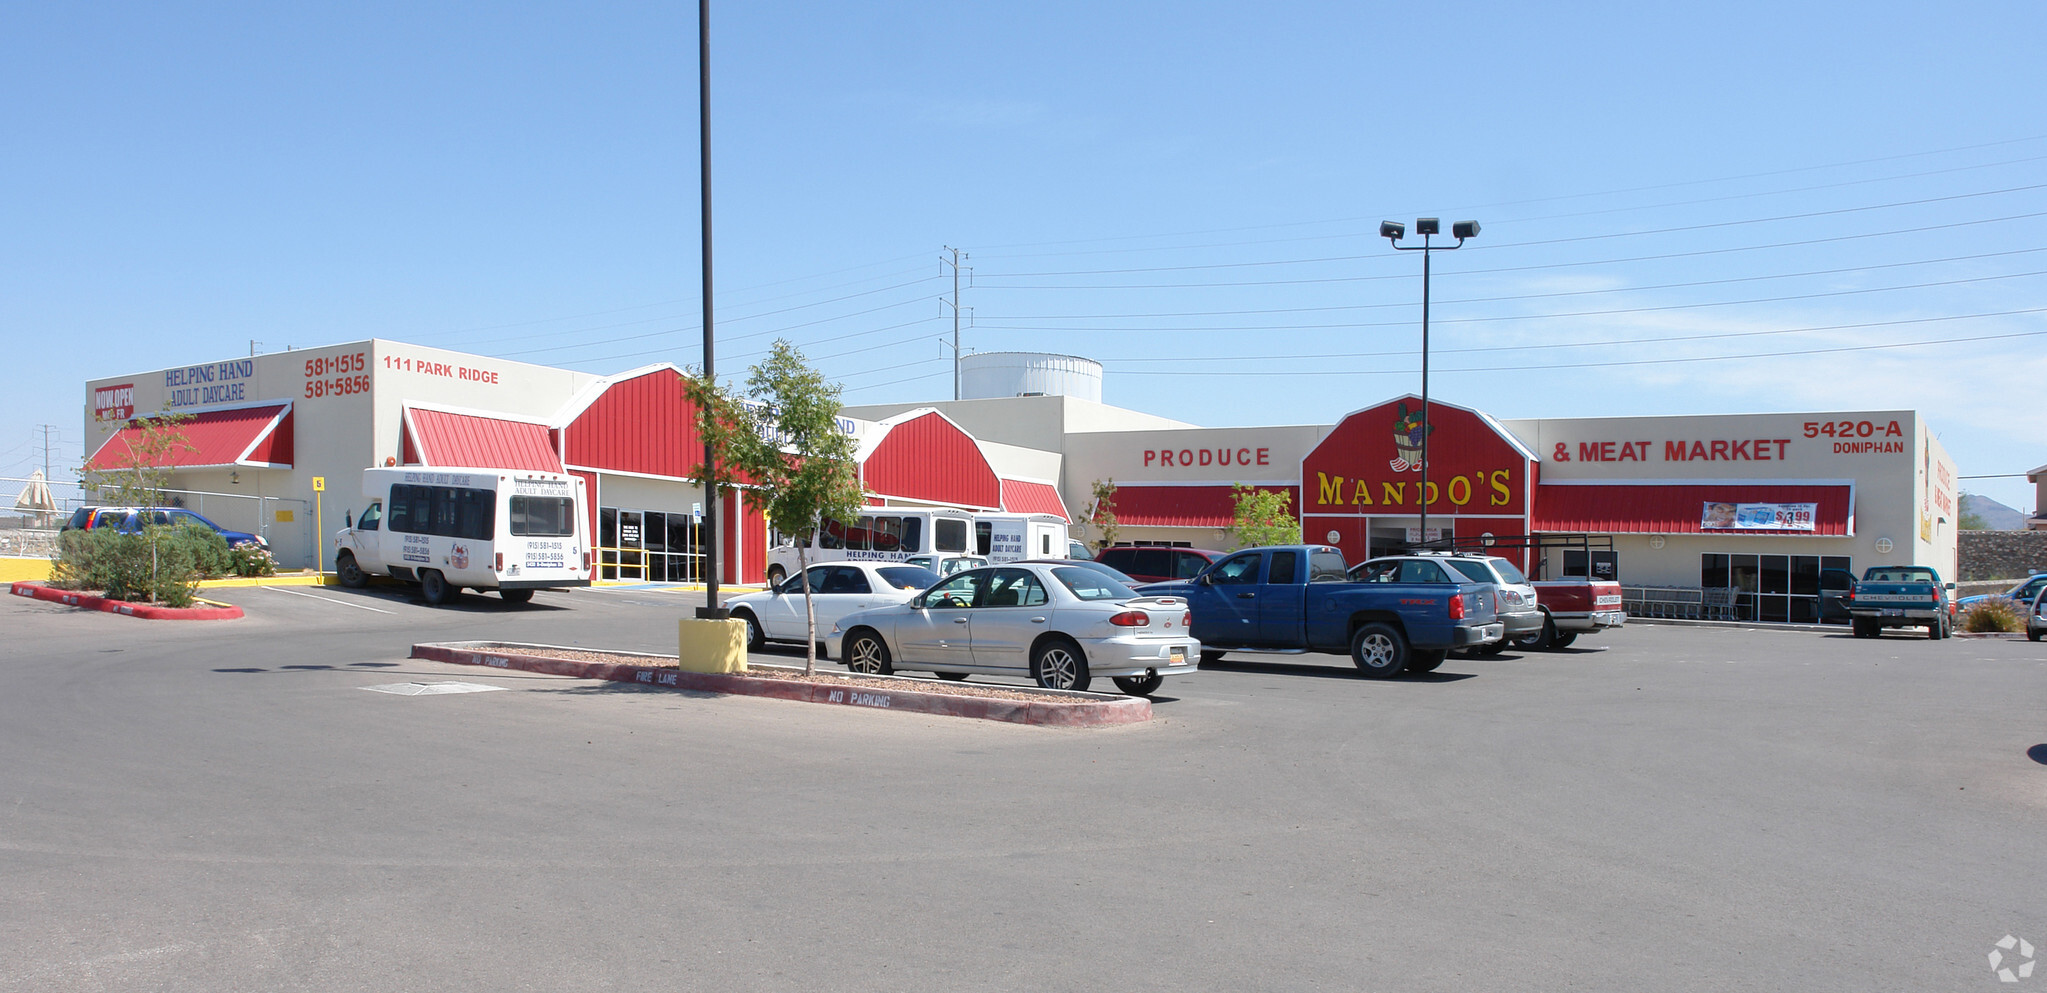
(1767, 587)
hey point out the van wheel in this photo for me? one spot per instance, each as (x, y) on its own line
(434, 587)
(351, 575)
(516, 596)
(1379, 651)
(776, 575)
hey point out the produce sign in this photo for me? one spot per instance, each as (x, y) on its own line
(1758, 516)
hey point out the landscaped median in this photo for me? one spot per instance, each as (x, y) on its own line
(897, 694)
(146, 611)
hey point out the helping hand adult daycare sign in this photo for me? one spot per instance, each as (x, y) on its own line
(1758, 516)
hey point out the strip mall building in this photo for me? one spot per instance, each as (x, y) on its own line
(1758, 502)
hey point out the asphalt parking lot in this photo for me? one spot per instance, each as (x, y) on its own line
(223, 807)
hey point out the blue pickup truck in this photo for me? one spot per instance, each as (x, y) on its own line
(1297, 598)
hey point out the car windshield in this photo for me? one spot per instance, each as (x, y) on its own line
(1088, 584)
(908, 577)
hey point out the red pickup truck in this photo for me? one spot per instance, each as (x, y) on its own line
(1574, 606)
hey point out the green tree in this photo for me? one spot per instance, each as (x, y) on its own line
(1969, 519)
(1262, 517)
(134, 472)
(781, 438)
(1100, 514)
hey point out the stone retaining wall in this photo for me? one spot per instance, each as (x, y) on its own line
(2012, 555)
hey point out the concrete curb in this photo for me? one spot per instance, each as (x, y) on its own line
(146, 611)
(1084, 710)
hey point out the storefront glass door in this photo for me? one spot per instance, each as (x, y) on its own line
(1780, 588)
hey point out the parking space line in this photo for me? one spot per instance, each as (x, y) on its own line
(329, 599)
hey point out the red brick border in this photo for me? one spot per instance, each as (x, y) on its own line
(146, 611)
(1083, 710)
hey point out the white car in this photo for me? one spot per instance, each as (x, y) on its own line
(946, 565)
(1060, 625)
(837, 589)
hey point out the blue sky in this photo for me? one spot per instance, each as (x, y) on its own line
(1685, 210)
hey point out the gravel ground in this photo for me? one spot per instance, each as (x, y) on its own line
(758, 671)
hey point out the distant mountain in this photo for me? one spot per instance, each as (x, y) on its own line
(1996, 516)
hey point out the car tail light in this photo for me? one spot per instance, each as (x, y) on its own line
(1131, 619)
(1187, 619)
(1457, 607)
(498, 562)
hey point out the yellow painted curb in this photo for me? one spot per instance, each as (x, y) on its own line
(18, 569)
(287, 580)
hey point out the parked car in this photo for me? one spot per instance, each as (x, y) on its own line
(1109, 571)
(1060, 625)
(1077, 551)
(1158, 563)
(1835, 586)
(945, 565)
(1896, 596)
(2036, 619)
(836, 589)
(2025, 592)
(131, 520)
(1402, 615)
(1517, 609)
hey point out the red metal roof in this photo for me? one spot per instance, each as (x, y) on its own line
(929, 458)
(1677, 508)
(1021, 496)
(246, 436)
(641, 424)
(1182, 506)
(438, 437)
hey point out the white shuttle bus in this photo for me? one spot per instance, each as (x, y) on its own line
(895, 534)
(1013, 537)
(887, 534)
(509, 530)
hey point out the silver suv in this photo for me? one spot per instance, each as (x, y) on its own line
(1517, 607)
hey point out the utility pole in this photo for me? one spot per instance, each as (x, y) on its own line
(710, 610)
(954, 262)
(46, 449)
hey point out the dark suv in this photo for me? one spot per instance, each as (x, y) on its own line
(1157, 563)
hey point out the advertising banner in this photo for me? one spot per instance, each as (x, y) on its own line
(1758, 516)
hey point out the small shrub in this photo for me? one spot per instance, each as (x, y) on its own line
(155, 565)
(207, 549)
(252, 560)
(1995, 614)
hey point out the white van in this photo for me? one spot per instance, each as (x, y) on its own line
(1013, 537)
(887, 534)
(509, 530)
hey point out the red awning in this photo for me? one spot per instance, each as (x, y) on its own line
(1181, 506)
(439, 437)
(1021, 496)
(258, 437)
(1678, 508)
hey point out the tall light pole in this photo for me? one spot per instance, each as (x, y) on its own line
(1427, 227)
(710, 609)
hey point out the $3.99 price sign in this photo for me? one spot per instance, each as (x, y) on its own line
(337, 375)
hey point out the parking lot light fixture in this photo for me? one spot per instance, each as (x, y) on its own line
(1427, 227)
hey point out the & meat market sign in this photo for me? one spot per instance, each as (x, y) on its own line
(1371, 463)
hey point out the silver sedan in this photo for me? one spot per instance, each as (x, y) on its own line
(1060, 625)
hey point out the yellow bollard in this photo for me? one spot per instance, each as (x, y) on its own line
(711, 646)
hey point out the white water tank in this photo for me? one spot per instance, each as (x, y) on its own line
(984, 375)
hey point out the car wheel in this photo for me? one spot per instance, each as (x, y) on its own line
(1538, 639)
(1144, 685)
(1059, 665)
(951, 677)
(867, 653)
(516, 596)
(1490, 649)
(1563, 639)
(1208, 656)
(756, 639)
(1427, 661)
(351, 575)
(2032, 635)
(776, 575)
(1862, 628)
(1379, 651)
(434, 587)
(1936, 630)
